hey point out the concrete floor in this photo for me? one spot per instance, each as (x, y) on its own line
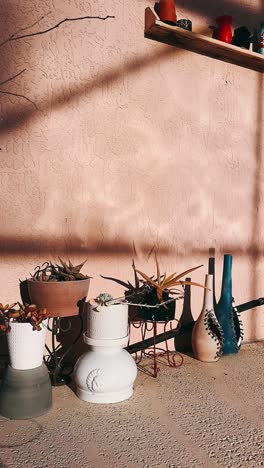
(200, 415)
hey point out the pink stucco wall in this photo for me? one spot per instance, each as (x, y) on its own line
(132, 141)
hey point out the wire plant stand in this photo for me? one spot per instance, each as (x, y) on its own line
(149, 348)
(60, 369)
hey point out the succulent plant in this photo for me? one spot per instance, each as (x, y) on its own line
(158, 287)
(63, 272)
(104, 299)
(22, 313)
(162, 283)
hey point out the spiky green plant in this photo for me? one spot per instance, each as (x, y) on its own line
(143, 290)
(49, 271)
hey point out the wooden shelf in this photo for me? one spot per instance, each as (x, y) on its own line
(204, 45)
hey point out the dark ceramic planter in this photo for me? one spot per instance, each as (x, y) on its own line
(157, 314)
(25, 394)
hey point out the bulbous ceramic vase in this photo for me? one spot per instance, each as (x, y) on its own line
(207, 335)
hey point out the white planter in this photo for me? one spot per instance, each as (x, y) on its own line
(110, 323)
(106, 373)
(26, 346)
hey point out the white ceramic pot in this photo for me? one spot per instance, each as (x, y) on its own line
(109, 323)
(106, 373)
(26, 346)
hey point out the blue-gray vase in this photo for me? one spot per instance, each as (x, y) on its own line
(224, 310)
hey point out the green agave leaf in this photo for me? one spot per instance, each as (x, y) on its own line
(122, 283)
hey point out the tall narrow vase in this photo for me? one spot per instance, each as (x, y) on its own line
(207, 336)
(225, 313)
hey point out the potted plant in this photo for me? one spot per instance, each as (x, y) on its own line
(26, 327)
(107, 318)
(60, 288)
(25, 390)
(106, 372)
(154, 298)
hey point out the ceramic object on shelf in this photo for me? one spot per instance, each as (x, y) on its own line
(26, 346)
(224, 29)
(61, 298)
(207, 336)
(261, 39)
(226, 315)
(242, 37)
(106, 372)
(25, 394)
(185, 24)
(166, 11)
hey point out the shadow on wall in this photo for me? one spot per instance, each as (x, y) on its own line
(74, 246)
(24, 113)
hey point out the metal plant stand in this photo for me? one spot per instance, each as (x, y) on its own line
(147, 347)
(59, 369)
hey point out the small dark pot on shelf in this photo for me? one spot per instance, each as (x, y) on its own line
(242, 37)
(157, 314)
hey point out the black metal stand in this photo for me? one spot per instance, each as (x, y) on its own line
(58, 368)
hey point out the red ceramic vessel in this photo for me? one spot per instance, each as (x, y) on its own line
(224, 31)
(167, 12)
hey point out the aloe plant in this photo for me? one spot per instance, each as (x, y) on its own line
(22, 313)
(160, 286)
(63, 272)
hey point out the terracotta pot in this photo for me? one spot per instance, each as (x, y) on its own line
(62, 298)
(167, 12)
(224, 31)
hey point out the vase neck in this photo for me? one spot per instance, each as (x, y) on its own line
(208, 303)
(226, 291)
(211, 271)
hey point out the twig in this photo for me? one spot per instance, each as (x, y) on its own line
(13, 77)
(24, 29)
(19, 95)
(12, 38)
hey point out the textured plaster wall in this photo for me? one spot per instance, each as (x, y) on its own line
(131, 141)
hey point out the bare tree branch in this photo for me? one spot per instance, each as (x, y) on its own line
(23, 29)
(15, 37)
(12, 38)
(19, 95)
(13, 77)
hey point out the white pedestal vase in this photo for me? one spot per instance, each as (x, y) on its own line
(106, 373)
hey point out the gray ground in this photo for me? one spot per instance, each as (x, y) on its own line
(200, 415)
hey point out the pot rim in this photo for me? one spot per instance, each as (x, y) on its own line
(58, 282)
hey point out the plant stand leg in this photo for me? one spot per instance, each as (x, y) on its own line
(55, 362)
(148, 348)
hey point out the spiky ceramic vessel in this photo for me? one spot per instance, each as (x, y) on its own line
(207, 335)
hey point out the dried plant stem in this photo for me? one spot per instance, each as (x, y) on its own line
(16, 36)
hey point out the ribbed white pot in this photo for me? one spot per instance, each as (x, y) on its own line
(109, 323)
(26, 346)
